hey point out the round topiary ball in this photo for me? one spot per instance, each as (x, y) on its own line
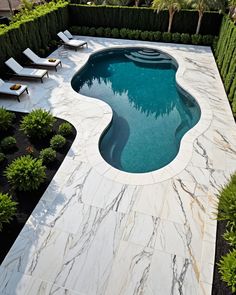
(26, 173)
(47, 155)
(6, 119)
(65, 129)
(2, 157)
(7, 209)
(8, 143)
(57, 142)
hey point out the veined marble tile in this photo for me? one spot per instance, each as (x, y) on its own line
(130, 270)
(171, 274)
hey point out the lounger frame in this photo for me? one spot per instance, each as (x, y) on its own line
(15, 95)
(28, 77)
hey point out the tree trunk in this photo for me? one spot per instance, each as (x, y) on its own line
(136, 3)
(200, 15)
(171, 15)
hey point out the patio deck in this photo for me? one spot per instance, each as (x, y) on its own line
(97, 230)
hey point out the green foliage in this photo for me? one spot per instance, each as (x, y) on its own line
(6, 119)
(142, 18)
(65, 129)
(8, 143)
(7, 209)
(227, 201)
(166, 37)
(230, 234)
(176, 37)
(100, 32)
(38, 123)
(207, 39)
(57, 142)
(123, 33)
(2, 157)
(115, 33)
(92, 32)
(107, 32)
(157, 36)
(185, 38)
(47, 155)
(196, 39)
(25, 173)
(227, 269)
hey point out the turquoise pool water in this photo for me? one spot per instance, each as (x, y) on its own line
(150, 113)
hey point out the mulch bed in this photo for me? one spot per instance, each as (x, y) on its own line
(222, 248)
(26, 200)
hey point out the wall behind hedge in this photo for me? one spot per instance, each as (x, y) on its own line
(144, 19)
(34, 34)
(226, 59)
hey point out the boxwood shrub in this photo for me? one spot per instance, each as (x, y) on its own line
(7, 209)
(227, 269)
(57, 142)
(25, 173)
(65, 129)
(8, 143)
(6, 119)
(48, 155)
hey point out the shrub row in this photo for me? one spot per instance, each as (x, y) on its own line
(145, 35)
(140, 18)
(226, 59)
(227, 211)
(32, 29)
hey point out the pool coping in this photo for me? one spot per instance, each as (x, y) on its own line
(184, 154)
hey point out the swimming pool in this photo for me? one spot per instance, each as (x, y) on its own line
(150, 112)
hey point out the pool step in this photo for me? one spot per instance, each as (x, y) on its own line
(157, 56)
(149, 52)
(147, 61)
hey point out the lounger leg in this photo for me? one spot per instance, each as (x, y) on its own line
(41, 80)
(56, 68)
(47, 75)
(18, 98)
(27, 90)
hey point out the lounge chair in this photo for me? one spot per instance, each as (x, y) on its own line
(71, 43)
(42, 62)
(68, 35)
(25, 72)
(5, 88)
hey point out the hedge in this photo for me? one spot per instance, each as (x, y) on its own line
(226, 59)
(35, 30)
(145, 19)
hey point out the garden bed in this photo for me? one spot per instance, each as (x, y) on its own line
(27, 200)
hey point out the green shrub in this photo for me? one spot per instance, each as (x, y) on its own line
(57, 142)
(207, 40)
(196, 39)
(38, 123)
(230, 234)
(65, 129)
(227, 201)
(157, 36)
(115, 33)
(123, 33)
(166, 37)
(92, 32)
(7, 209)
(8, 143)
(107, 32)
(185, 38)
(144, 35)
(75, 30)
(100, 32)
(227, 269)
(6, 119)
(25, 173)
(2, 157)
(47, 155)
(176, 37)
(134, 34)
(85, 30)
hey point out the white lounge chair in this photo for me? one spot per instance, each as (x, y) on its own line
(42, 62)
(68, 35)
(25, 72)
(71, 43)
(5, 88)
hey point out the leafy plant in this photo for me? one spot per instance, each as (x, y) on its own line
(25, 173)
(100, 32)
(6, 119)
(230, 234)
(38, 123)
(107, 32)
(157, 36)
(166, 37)
(185, 38)
(144, 35)
(92, 32)
(196, 39)
(57, 142)
(207, 39)
(8, 143)
(227, 269)
(65, 129)
(2, 157)
(176, 37)
(123, 33)
(7, 209)
(115, 33)
(47, 155)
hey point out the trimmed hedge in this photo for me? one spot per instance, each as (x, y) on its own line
(226, 59)
(145, 19)
(34, 29)
(144, 35)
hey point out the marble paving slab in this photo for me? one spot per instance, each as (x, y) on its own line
(100, 231)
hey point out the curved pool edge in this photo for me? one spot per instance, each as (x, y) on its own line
(184, 154)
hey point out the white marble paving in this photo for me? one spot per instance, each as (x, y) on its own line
(100, 231)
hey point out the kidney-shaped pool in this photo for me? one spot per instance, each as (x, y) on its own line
(150, 112)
